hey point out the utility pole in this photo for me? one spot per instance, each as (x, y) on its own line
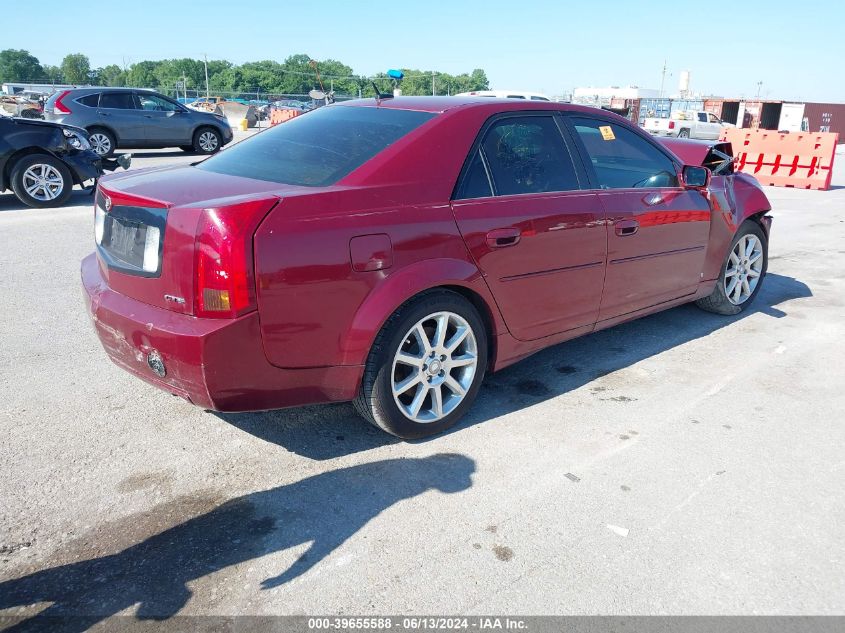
(433, 92)
(662, 78)
(759, 88)
(205, 59)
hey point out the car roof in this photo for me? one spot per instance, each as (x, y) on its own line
(443, 104)
(111, 89)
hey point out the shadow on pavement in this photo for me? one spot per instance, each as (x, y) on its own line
(179, 541)
(328, 431)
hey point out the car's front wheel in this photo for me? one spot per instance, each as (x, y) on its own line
(207, 140)
(742, 272)
(41, 181)
(425, 367)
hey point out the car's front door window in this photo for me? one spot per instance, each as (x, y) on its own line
(157, 104)
(621, 159)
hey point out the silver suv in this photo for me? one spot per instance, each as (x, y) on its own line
(131, 118)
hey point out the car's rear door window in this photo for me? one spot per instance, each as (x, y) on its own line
(317, 148)
(622, 159)
(475, 182)
(528, 155)
(117, 100)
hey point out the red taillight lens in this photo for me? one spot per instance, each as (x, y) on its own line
(225, 282)
(58, 106)
(671, 125)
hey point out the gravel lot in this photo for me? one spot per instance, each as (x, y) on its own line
(684, 463)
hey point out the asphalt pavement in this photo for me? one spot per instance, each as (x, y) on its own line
(684, 463)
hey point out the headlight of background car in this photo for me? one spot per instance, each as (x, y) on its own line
(75, 139)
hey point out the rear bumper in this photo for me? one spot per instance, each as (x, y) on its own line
(216, 364)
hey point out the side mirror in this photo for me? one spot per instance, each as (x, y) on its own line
(696, 177)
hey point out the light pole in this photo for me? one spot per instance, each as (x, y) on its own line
(205, 61)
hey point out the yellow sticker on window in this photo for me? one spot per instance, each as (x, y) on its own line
(607, 133)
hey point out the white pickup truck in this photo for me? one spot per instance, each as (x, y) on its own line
(687, 124)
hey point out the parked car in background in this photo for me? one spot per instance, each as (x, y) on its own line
(133, 118)
(393, 252)
(506, 94)
(687, 124)
(41, 162)
(22, 105)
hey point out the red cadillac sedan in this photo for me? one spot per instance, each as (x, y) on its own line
(391, 252)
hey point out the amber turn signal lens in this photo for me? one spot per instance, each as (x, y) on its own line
(215, 300)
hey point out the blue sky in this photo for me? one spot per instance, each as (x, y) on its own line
(795, 49)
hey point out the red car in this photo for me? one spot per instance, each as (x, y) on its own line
(392, 252)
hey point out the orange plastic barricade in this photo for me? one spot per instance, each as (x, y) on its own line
(280, 116)
(793, 159)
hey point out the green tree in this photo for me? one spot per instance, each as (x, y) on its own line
(76, 68)
(19, 65)
(142, 75)
(111, 75)
(53, 74)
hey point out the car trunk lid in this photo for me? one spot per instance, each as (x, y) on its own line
(147, 224)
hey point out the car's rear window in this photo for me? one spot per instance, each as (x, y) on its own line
(317, 148)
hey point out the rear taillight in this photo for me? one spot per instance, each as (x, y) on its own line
(58, 106)
(225, 281)
(671, 125)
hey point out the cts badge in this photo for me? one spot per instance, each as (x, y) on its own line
(107, 202)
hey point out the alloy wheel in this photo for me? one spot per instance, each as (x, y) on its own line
(744, 269)
(100, 143)
(43, 182)
(434, 367)
(208, 141)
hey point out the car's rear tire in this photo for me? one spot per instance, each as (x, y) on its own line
(683, 134)
(102, 141)
(425, 367)
(41, 181)
(207, 140)
(742, 272)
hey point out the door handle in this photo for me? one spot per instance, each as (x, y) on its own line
(103, 113)
(148, 116)
(626, 227)
(499, 238)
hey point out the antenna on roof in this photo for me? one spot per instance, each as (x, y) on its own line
(379, 94)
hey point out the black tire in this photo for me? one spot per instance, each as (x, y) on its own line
(683, 134)
(203, 143)
(102, 141)
(375, 400)
(187, 148)
(718, 300)
(19, 171)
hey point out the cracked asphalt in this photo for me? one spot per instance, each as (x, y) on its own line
(684, 463)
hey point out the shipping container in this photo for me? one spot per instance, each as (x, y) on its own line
(730, 112)
(791, 117)
(714, 106)
(654, 108)
(770, 115)
(682, 105)
(825, 117)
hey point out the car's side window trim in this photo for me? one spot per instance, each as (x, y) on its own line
(585, 155)
(476, 147)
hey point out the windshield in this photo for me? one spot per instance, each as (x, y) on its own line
(318, 148)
